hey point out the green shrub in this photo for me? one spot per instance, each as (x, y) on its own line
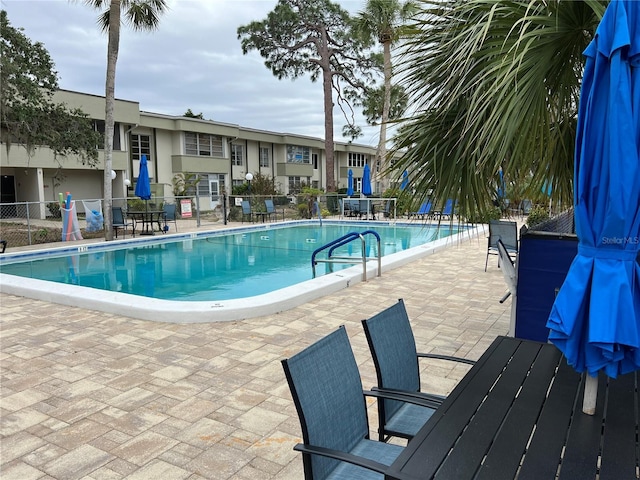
(403, 200)
(135, 204)
(537, 215)
(235, 214)
(303, 210)
(492, 213)
(54, 208)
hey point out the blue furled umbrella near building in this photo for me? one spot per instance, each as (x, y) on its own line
(366, 180)
(595, 320)
(405, 180)
(143, 186)
(350, 183)
(502, 186)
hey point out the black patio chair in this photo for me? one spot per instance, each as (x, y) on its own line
(325, 385)
(3, 245)
(247, 212)
(119, 222)
(393, 349)
(169, 214)
(506, 231)
(352, 207)
(271, 209)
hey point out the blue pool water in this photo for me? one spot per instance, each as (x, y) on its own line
(218, 265)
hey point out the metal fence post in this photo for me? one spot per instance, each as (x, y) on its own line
(197, 209)
(28, 223)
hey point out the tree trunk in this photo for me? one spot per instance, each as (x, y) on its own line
(381, 152)
(327, 88)
(328, 131)
(112, 58)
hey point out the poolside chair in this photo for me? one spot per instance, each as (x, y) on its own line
(119, 222)
(393, 349)
(271, 209)
(387, 209)
(423, 212)
(3, 245)
(246, 211)
(327, 392)
(352, 207)
(506, 231)
(508, 270)
(365, 208)
(170, 215)
(446, 212)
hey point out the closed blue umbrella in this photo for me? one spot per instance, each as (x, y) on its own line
(595, 319)
(143, 187)
(366, 180)
(405, 180)
(350, 183)
(502, 188)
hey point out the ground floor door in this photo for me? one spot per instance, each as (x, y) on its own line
(7, 195)
(214, 191)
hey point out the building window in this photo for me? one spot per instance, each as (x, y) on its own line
(99, 126)
(237, 155)
(203, 186)
(297, 183)
(357, 159)
(315, 161)
(296, 154)
(265, 156)
(203, 144)
(140, 145)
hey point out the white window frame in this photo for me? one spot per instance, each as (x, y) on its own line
(295, 183)
(358, 160)
(298, 154)
(140, 145)
(265, 157)
(203, 145)
(237, 154)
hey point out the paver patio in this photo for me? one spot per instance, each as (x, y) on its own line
(86, 394)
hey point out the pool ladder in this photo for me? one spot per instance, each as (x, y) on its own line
(339, 242)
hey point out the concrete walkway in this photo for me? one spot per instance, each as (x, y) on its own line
(92, 395)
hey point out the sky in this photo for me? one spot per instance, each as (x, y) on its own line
(193, 61)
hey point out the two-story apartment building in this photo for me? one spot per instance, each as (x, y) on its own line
(220, 153)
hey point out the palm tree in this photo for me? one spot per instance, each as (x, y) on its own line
(493, 84)
(140, 15)
(384, 20)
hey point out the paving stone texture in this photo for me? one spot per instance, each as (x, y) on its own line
(92, 395)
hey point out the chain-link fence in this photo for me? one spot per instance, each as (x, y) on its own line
(32, 223)
(562, 223)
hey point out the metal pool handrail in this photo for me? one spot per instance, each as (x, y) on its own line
(349, 237)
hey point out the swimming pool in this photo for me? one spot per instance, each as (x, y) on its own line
(206, 276)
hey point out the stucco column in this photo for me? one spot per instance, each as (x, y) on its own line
(41, 212)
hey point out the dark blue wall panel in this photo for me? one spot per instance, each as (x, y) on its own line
(544, 261)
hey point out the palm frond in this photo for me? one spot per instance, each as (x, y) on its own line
(494, 84)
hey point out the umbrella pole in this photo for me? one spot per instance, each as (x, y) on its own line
(590, 395)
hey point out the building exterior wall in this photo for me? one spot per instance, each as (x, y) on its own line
(40, 176)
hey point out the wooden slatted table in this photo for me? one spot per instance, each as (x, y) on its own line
(517, 414)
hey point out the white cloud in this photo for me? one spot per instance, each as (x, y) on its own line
(194, 60)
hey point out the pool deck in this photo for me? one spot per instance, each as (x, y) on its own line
(93, 395)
